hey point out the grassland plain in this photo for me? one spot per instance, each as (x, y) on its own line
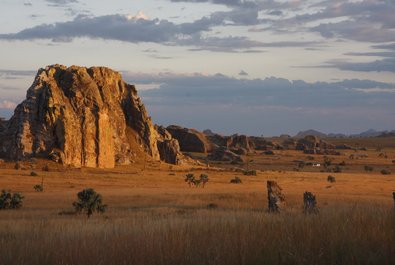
(155, 218)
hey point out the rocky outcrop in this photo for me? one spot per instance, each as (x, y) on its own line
(3, 124)
(190, 140)
(81, 117)
(169, 149)
(223, 154)
(275, 197)
(217, 140)
(260, 143)
(238, 141)
(308, 142)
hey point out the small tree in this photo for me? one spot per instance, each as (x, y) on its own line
(38, 188)
(10, 201)
(89, 202)
(203, 179)
(190, 179)
(368, 168)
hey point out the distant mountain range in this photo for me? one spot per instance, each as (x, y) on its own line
(368, 133)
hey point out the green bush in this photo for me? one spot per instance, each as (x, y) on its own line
(38, 188)
(33, 174)
(249, 172)
(89, 201)
(10, 201)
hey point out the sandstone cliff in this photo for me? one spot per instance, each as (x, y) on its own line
(83, 117)
(190, 140)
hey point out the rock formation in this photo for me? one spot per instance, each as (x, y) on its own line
(309, 203)
(260, 143)
(169, 149)
(275, 197)
(190, 140)
(82, 117)
(223, 154)
(238, 141)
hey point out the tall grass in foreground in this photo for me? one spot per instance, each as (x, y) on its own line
(344, 235)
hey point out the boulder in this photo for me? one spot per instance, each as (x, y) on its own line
(260, 143)
(190, 140)
(217, 140)
(309, 142)
(80, 117)
(223, 154)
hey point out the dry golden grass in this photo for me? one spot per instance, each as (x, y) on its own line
(155, 218)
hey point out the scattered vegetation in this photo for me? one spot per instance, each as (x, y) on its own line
(311, 158)
(212, 206)
(17, 166)
(235, 180)
(343, 163)
(89, 202)
(327, 162)
(269, 152)
(46, 168)
(10, 201)
(33, 174)
(385, 172)
(203, 179)
(192, 181)
(368, 168)
(250, 172)
(337, 169)
(331, 179)
(38, 188)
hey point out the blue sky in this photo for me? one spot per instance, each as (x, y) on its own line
(255, 67)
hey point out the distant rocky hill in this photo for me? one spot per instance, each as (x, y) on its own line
(303, 134)
(368, 133)
(84, 117)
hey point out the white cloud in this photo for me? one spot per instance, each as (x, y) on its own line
(6, 104)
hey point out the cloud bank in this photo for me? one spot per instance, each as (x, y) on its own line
(267, 106)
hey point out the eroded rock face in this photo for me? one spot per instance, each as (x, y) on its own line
(169, 149)
(82, 117)
(190, 140)
(238, 141)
